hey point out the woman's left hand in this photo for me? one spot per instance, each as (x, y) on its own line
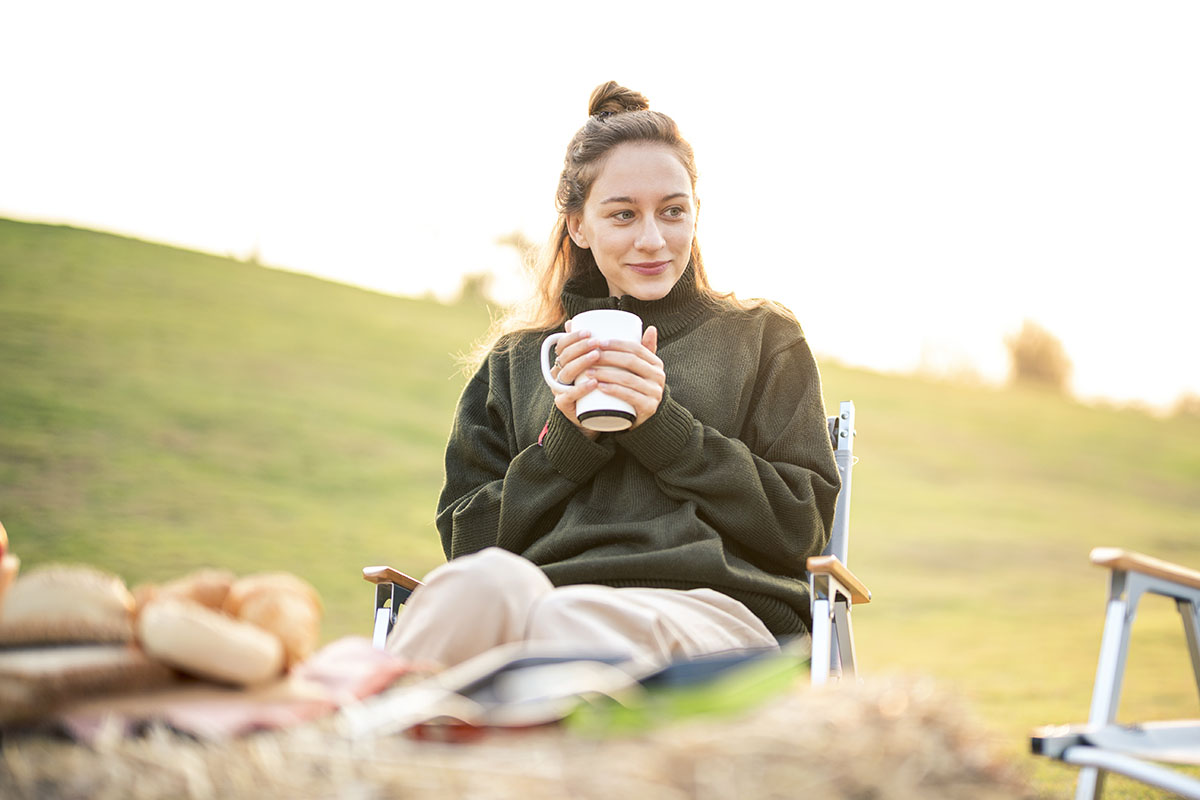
(633, 372)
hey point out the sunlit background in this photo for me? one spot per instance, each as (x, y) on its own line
(913, 179)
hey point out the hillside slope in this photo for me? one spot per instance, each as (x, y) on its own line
(162, 408)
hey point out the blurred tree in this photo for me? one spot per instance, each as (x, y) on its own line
(254, 257)
(524, 246)
(1187, 405)
(476, 288)
(1038, 358)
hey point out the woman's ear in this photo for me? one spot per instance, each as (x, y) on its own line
(575, 230)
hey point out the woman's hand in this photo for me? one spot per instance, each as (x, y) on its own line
(573, 354)
(629, 371)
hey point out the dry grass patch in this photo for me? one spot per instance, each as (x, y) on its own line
(886, 739)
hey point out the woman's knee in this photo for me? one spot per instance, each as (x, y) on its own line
(467, 606)
(490, 571)
(483, 588)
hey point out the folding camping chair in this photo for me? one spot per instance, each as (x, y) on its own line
(834, 588)
(1102, 745)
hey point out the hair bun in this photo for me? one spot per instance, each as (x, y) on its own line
(613, 98)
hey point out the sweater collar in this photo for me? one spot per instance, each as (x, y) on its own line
(669, 314)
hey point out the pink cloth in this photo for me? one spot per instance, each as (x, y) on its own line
(343, 671)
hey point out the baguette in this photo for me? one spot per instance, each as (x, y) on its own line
(208, 644)
(61, 603)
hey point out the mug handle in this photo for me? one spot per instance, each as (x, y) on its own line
(551, 381)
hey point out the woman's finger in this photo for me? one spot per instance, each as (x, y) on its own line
(631, 363)
(569, 346)
(611, 376)
(567, 349)
(650, 339)
(644, 403)
(575, 357)
(567, 399)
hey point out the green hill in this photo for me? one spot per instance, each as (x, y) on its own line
(163, 409)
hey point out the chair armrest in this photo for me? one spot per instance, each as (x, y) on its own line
(388, 575)
(1116, 558)
(830, 565)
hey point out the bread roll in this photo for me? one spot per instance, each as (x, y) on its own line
(67, 604)
(291, 617)
(272, 583)
(208, 644)
(208, 587)
(283, 604)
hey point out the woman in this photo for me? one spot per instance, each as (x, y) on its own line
(684, 535)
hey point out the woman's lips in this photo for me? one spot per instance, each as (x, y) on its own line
(649, 267)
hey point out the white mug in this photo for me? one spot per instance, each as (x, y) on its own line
(596, 410)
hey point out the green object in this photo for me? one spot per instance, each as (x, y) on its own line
(735, 690)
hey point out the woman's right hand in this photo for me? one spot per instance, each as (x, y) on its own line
(574, 354)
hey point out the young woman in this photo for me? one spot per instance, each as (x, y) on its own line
(684, 535)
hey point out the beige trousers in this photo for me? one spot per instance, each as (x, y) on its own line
(474, 603)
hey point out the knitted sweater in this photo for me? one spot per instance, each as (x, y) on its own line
(730, 485)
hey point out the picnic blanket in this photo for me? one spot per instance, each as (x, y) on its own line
(82, 705)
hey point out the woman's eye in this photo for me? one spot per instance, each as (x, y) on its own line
(674, 212)
(623, 216)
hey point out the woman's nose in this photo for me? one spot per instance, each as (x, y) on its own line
(650, 238)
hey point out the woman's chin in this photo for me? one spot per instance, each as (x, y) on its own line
(647, 295)
(655, 288)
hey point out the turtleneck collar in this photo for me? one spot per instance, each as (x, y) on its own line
(669, 314)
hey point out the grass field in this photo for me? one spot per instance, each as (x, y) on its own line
(163, 409)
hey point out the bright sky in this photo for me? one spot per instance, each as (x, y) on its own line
(913, 179)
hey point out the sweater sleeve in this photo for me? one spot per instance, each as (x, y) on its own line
(771, 491)
(496, 494)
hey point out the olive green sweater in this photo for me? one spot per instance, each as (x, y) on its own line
(730, 485)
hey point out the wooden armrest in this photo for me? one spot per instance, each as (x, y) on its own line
(389, 575)
(830, 565)
(1116, 558)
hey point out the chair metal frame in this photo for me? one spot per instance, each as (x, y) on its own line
(834, 589)
(1102, 745)
(392, 590)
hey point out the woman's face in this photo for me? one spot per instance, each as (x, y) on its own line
(638, 220)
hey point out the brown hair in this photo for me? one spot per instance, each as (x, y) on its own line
(616, 116)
